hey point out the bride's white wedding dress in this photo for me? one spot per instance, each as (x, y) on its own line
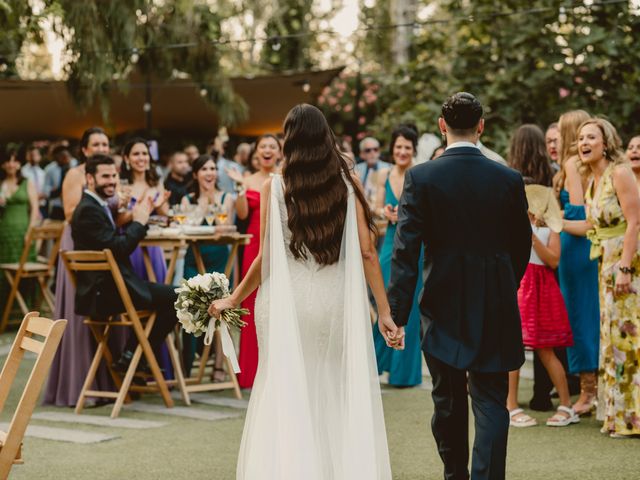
(315, 411)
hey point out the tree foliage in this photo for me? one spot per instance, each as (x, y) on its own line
(525, 67)
(18, 23)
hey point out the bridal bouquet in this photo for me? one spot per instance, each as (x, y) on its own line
(194, 297)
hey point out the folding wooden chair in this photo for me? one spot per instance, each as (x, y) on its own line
(42, 269)
(103, 261)
(33, 324)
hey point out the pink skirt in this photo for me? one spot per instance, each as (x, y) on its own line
(545, 323)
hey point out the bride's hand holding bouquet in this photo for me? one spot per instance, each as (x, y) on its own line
(196, 296)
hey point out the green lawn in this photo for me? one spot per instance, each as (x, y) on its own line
(196, 449)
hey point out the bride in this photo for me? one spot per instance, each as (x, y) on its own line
(315, 411)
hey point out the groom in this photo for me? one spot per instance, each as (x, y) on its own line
(471, 214)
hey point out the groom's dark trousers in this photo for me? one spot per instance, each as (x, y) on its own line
(471, 215)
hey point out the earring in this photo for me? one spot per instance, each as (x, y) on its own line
(604, 153)
(444, 137)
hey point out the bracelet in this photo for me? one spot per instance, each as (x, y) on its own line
(629, 270)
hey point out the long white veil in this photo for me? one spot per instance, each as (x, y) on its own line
(285, 435)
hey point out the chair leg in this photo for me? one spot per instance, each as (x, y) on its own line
(155, 370)
(10, 299)
(108, 358)
(126, 382)
(177, 369)
(21, 302)
(234, 379)
(46, 293)
(93, 369)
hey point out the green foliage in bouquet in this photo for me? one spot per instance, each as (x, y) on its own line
(196, 294)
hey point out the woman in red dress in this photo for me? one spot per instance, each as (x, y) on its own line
(268, 153)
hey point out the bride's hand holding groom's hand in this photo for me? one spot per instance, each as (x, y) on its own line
(393, 335)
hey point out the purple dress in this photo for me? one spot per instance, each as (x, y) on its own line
(77, 347)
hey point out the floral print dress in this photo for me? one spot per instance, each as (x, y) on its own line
(619, 373)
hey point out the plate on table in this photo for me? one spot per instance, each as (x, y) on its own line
(198, 230)
(226, 229)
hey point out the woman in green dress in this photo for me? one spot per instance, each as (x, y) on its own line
(613, 225)
(18, 210)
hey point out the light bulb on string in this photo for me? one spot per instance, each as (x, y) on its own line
(203, 92)
(276, 45)
(306, 86)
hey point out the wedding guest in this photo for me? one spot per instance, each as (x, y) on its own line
(55, 174)
(268, 153)
(613, 225)
(367, 170)
(74, 355)
(404, 366)
(545, 323)
(18, 211)
(633, 155)
(242, 156)
(178, 180)
(227, 169)
(32, 170)
(94, 228)
(437, 152)
(551, 139)
(144, 183)
(578, 275)
(192, 152)
(528, 155)
(212, 202)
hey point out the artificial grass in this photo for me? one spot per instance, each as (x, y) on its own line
(192, 449)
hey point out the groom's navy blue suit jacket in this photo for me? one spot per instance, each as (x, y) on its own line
(471, 214)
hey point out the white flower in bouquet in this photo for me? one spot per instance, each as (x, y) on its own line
(194, 297)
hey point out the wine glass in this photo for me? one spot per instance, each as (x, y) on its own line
(124, 194)
(210, 214)
(221, 215)
(180, 214)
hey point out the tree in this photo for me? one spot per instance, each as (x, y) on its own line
(18, 23)
(528, 61)
(111, 40)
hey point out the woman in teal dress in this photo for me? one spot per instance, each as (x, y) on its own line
(206, 194)
(577, 274)
(404, 366)
(18, 210)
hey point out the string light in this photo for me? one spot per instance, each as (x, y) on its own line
(276, 40)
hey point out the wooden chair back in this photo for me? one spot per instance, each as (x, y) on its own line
(37, 235)
(98, 261)
(26, 340)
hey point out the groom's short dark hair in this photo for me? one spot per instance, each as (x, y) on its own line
(462, 113)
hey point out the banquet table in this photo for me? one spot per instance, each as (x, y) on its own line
(172, 241)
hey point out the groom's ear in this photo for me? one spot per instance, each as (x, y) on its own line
(480, 126)
(442, 125)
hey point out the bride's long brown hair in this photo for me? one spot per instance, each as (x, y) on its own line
(314, 173)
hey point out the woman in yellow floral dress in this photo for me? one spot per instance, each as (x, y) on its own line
(613, 225)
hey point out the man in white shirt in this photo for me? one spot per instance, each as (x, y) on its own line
(368, 169)
(32, 171)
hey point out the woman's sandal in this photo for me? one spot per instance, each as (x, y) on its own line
(519, 419)
(219, 375)
(587, 409)
(563, 417)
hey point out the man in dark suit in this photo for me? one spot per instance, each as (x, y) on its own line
(93, 228)
(471, 214)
